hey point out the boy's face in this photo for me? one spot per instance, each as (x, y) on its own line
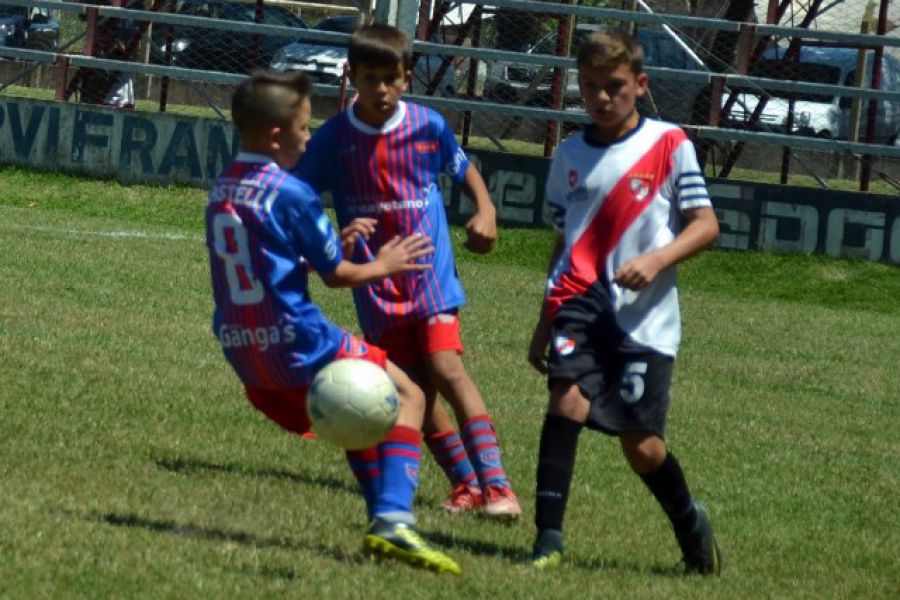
(610, 96)
(379, 90)
(289, 142)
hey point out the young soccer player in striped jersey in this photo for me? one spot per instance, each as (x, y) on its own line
(381, 159)
(265, 229)
(629, 202)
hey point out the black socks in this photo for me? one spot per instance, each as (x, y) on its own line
(670, 489)
(556, 461)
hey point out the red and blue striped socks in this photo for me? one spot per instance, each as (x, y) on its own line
(398, 457)
(480, 440)
(450, 453)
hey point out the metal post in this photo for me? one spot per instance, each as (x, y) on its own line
(472, 80)
(865, 174)
(558, 86)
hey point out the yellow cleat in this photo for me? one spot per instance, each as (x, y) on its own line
(402, 541)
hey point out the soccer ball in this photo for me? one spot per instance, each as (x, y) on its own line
(352, 403)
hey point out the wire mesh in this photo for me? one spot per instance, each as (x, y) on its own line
(508, 64)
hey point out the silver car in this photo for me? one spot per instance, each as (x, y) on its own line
(325, 62)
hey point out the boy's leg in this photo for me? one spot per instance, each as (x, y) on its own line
(565, 417)
(392, 532)
(478, 434)
(662, 474)
(440, 431)
(639, 405)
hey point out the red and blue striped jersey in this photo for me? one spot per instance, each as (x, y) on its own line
(263, 228)
(391, 174)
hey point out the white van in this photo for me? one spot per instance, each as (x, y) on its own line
(822, 115)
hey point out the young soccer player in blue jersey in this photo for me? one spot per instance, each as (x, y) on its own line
(265, 229)
(381, 159)
(629, 202)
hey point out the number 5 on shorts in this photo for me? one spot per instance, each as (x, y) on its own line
(232, 247)
(632, 387)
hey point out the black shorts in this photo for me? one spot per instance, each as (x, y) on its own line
(627, 385)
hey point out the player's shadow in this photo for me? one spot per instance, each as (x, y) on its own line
(217, 534)
(521, 556)
(188, 466)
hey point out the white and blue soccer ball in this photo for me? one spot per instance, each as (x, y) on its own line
(352, 403)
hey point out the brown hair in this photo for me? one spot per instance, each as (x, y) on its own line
(267, 99)
(379, 45)
(610, 48)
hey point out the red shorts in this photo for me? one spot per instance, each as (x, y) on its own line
(409, 344)
(287, 407)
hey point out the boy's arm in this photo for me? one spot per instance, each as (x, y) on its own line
(481, 229)
(540, 339)
(700, 233)
(396, 256)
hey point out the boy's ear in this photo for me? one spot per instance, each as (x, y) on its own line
(642, 81)
(273, 138)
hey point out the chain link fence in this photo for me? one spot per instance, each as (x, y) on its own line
(786, 87)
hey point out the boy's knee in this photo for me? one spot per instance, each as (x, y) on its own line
(566, 400)
(645, 452)
(447, 367)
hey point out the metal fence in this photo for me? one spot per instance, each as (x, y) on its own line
(810, 87)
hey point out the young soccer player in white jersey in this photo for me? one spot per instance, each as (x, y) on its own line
(629, 202)
(381, 159)
(265, 229)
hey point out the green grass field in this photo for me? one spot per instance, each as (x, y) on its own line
(132, 466)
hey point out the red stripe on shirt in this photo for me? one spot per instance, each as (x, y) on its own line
(620, 209)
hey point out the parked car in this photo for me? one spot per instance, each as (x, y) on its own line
(219, 50)
(28, 27)
(509, 83)
(822, 115)
(324, 62)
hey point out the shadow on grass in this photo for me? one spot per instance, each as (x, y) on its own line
(217, 534)
(521, 556)
(189, 466)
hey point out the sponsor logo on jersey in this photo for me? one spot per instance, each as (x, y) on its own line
(263, 338)
(429, 147)
(564, 346)
(579, 194)
(458, 159)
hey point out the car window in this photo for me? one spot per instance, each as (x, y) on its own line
(798, 71)
(271, 15)
(12, 11)
(338, 25)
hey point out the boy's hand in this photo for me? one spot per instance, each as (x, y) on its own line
(362, 227)
(481, 231)
(638, 272)
(397, 255)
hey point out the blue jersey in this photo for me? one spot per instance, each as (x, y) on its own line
(264, 227)
(391, 174)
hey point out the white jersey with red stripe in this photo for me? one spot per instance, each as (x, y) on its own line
(615, 202)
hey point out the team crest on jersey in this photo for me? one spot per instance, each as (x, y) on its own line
(426, 147)
(564, 346)
(640, 185)
(573, 177)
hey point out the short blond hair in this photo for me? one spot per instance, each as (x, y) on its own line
(610, 48)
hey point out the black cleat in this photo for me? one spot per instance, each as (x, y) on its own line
(699, 549)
